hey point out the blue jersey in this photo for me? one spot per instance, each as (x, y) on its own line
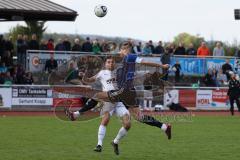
(125, 74)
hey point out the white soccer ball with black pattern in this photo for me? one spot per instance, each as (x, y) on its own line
(100, 10)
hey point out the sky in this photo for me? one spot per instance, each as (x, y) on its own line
(150, 19)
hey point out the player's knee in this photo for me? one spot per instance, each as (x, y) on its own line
(126, 122)
(127, 126)
(105, 119)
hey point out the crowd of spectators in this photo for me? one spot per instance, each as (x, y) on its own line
(10, 72)
(220, 77)
(16, 72)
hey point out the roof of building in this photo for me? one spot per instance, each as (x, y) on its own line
(31, 10)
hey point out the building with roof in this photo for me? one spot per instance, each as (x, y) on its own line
(34, 10)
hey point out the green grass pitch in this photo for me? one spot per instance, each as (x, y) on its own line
(47, 138)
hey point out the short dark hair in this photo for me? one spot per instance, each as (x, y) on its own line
(108, 57)
(126, 44)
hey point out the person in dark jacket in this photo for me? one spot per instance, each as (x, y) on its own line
(51, 64)
(150, 42)
(60, 46)
(226, 68)
(191, 51)
(9, 46)
(67, 44)
(165, 59)
(33, 44)
(209, 79)
(177, 69)
(180, 50)
(28, 79)
(234, 92)
(43, 45)
(87, 46)
(159, 49)
(76, 47)
(2, 46)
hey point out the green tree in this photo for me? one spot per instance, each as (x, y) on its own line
(187, 38)
(35, 27)
(32, 27)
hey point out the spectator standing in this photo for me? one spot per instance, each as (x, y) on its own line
(177, 71)
(138, 48)
(20, 74)
(209, 79)
(87, 45)
(226, 67)
(147, 49)
(8, 79)
(132, 44)
(51, 64)
(33, 44)
(67, 44)
(203, 50)
(50, 44)
(96, 47)
(221, 78)
(165, 59)
(180, 50)
(159, 48)
(25, 43)
(28, 79)
(237, 53)
(60, 46)
(2, 46)
(8, 59)
(218, 50)
(9, 46)
(170, 48)
(3, 68)
(234, 92)
(43, 45)
(191, 51)
(214, 76)
(151, 46)
(20, 49)
(76, 47)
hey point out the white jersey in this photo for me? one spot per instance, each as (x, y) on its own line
(107, 79)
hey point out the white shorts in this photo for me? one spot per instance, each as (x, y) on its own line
(114, 108)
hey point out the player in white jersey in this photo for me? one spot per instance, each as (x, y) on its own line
(107, 77)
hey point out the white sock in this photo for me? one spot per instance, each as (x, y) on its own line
(164, 127)
(150, 103)
(145, 103)
(101, 134)
(76, 114)
(121, 133)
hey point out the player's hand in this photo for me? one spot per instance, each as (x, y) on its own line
(166, 66)
(81, 74)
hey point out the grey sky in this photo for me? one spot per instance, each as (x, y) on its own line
(151, 19)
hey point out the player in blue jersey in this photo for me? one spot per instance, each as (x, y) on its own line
(126, 92)
(125, 78)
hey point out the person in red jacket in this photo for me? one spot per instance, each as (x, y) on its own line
(50, 44)
(203, 50)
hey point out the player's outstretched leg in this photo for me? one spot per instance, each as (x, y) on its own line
(149, 120)
(91, 103)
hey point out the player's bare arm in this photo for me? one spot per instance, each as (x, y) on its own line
(152, 64)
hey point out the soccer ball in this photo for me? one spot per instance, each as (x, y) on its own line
(100, 10)
(159, 107)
